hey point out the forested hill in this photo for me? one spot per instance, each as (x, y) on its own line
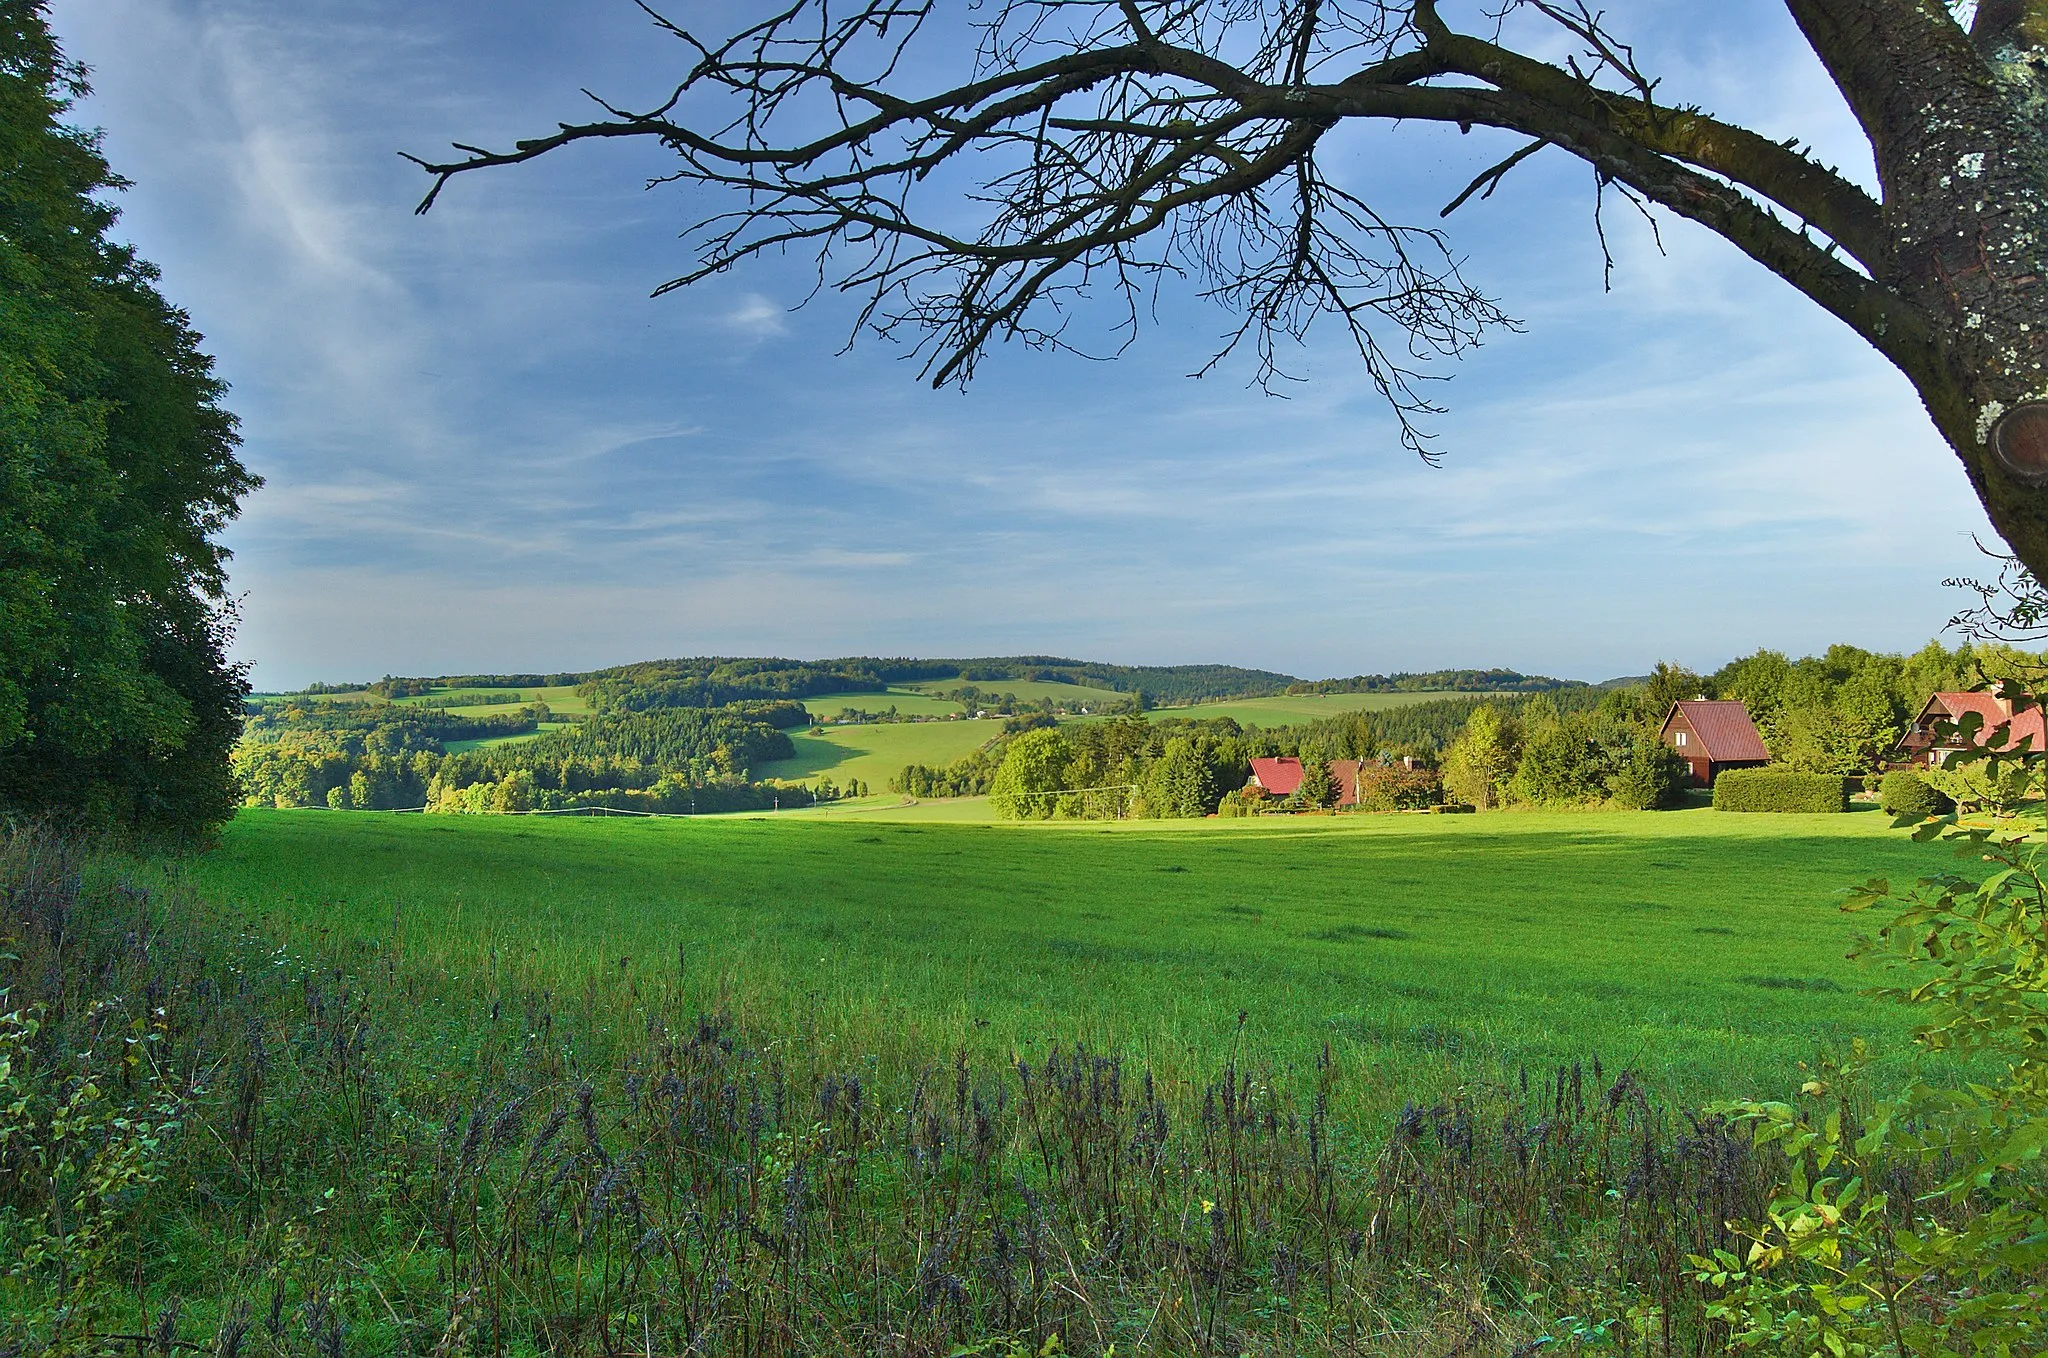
(1439, 681)
(713, 681)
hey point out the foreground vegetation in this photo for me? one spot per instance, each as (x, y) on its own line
(494, 1086)
(1704, 949)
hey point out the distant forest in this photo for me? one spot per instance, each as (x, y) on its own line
(715, 681)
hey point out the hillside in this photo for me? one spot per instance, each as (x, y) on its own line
(708, 681)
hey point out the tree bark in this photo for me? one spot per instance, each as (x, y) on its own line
(1959, 129)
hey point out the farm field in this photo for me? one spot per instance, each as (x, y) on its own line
(1704, 949)
(875, 754)
(1286, 710)
(1024, 690)
(907, 702)
(560, 697)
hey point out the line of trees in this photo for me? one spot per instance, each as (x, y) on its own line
(118, 465)
(385, 756)
(1438, 681)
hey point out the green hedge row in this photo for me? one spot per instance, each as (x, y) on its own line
(1773, 790)
(1906, 793)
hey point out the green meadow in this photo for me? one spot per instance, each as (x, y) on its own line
(876, 753)
(1024, 690)
(1704, 949)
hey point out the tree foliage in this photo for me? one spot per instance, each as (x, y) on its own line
(117, 467)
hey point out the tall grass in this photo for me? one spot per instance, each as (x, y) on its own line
(209, 1142)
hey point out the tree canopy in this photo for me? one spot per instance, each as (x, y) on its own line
(1105, 147)
(117, 466)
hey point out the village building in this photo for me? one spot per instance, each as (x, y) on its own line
(1713, 737)
(1922, 745)
(1280, 775)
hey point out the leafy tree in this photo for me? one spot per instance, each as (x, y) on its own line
(117, 466)
(1179, 785)
(1122, 141)
(1034, 768)
(1648, 775)
(1668, 684)
(1557, 767)
(1480, 763)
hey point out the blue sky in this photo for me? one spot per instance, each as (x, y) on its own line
(488, 449)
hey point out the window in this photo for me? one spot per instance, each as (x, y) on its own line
(1681, 740)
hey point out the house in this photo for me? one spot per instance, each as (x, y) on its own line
(1280, 775)
(1713, 736)
(1921, 745)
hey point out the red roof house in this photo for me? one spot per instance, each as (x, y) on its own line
(1921, 745)
(1712, 736)
(1280, 775)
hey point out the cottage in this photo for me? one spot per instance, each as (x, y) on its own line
(1281, 775)
(1921, 745)
(1712, 737)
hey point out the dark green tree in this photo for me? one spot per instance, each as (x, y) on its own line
(1180, 783)
(1317, 788)
(117, 466)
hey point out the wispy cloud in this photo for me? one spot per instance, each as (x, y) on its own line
(486, 446)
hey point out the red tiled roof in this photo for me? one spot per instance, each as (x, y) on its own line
(1724, 728)
(1281, 774)
(2024, 724)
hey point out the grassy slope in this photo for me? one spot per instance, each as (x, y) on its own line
(907, 702)
(875, 754)
(1024, 690)
(1702, 947)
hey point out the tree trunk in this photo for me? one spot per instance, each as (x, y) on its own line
(1959, 128)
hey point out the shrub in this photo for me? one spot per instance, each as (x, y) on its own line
(1244, 801)
(1780, 790)
(1390, 787)
(1649, 776)
(1906, 793)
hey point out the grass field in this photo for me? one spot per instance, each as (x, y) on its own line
(1703, 948)
(875, 754)
(1024, 690)
(907, 702)
(560, 697)
(1288, 710)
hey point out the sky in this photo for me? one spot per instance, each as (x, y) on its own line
(487, 448)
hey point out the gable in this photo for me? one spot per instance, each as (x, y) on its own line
(1724, 732)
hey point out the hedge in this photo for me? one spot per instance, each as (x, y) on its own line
(1906, 793)
(1774, 790)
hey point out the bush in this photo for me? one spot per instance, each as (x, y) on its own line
(1780, 790)
(1390, 787)
(1246, 801)
(1906, 793)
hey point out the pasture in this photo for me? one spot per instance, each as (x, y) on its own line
(1024, 690)
(906, 702)
(875, 754)
(1703, 949)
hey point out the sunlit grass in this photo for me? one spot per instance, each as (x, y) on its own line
(1703, 948)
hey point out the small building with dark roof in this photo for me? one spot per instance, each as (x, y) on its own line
(1713, 736)
(1924, 746)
